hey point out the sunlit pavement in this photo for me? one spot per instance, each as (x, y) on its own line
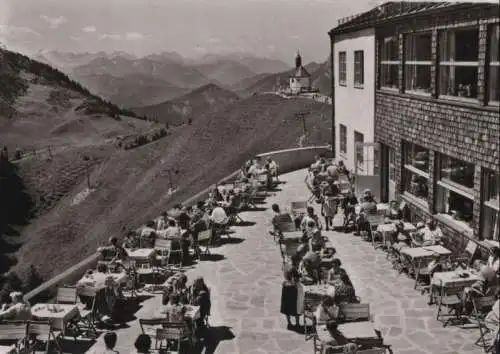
(246, 292)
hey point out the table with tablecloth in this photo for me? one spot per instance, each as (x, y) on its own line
(382, 208)
(454, 279)
(438, 250)
(141, 254)
(96, 281)
(59, 315)
(192, 313)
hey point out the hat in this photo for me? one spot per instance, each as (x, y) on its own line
(420, 225)
(15, 294)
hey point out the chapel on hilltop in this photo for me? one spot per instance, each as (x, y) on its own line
(300, 80)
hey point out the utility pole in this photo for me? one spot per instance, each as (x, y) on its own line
(87, 159)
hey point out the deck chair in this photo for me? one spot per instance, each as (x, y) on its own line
(451, 299)
(88, 314)
(163, 248)
(204, 238)
(43, 332)
(481, 307)
(355, 312)
(14, 333)
(173, 334)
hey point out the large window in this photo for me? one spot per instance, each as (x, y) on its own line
(389, 62)
(458, 62)
(359, 74)
(416, 170)
(358, 143)
(416, 156)
(342, 68)
(455, 189)
(418, 62)
(343, 138)
(491, 208)
(494, 68)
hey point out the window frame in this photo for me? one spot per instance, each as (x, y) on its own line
(493, 63)
(490, 209)
(359, 68)
(409, 168)
(360, 156)
(342, 139)
(342, 68)
(388, 63)
(392, 164)
(408, 39)
(452, 64)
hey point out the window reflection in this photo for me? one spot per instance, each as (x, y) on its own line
(457, 171)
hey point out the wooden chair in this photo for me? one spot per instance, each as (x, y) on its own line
(88, 315)
(481, 307)
(204, 238)
(163, 248)
(14, 333)
(150, 326)
(172, 333)
(374, 220)
(311, 302)
(355, 312)
(450, 297)
(43, 332)
(422, 270)
(66, 295)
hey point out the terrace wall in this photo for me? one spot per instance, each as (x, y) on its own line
(288, 160)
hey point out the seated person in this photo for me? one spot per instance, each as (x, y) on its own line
(114, 253)
(174, 310)
(341, 169)
(368, 205)
(400, 236)
(327, 312)
(486, 285)
(418, 236)
(172, 232)
(348, 204)
(130, 241)
(344, 290)
(335, 272)
(313, 235)
(432, 234)
(109, 302)
(18, 310)
(309, 268)
(310, 216)
(494, 258)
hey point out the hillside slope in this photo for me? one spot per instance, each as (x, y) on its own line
(192, 106)
(132, 186)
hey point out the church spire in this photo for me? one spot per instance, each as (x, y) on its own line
(298, 60)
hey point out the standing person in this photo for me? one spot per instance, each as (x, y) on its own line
(328, 209)
(289, 299)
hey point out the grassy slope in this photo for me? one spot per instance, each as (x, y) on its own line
(132, 185)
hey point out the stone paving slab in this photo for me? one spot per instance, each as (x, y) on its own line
(246, 292)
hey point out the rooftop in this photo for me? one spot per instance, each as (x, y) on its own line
(246, 289)
(396, 10)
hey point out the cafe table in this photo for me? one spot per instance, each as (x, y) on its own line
(192, 313)
(382, 208)
(453, 278)
(438, 250)
(59, 315)
(320, 290)
(96, 281)
(5, 349)
(141, 254)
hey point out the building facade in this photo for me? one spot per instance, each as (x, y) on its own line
(354, 81)
(437, 113)
(300, 80)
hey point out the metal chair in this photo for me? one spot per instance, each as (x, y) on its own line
(450, 297)
(481, 307)
(172, 333)
(44, 332)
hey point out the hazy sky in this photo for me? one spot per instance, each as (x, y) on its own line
(272, 28)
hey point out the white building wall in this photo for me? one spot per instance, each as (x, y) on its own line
(297, 83)
(355, 107)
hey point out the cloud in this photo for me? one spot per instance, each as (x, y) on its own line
(89, 29)
(115, 37)
(17, 30)
(133, 36)
(54, 22)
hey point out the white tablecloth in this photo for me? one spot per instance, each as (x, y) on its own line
(97, 280)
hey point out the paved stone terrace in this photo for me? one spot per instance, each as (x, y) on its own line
(246, 290)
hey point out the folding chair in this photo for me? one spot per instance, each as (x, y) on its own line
(481, 307)
(173, 334)
(204, 237)
(311, 303)
(14, 334)
(163, 248)
(43, 332)
(374, 220)
(66, 295)
(355, 312)
(450, 297)
(422, 270)
(87, 316)
(149, 326)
